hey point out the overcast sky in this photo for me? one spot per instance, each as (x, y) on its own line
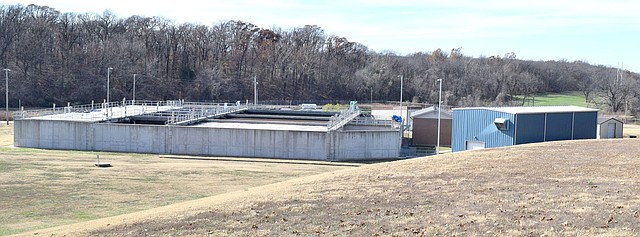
(596, 31)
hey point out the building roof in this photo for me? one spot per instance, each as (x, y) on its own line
(431, 109)
(535, 109)
(602, 120)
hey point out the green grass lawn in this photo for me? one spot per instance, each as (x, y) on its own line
(555, 99)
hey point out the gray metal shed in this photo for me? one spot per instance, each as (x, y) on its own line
(609, 128)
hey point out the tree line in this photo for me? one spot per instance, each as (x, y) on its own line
(64, 57)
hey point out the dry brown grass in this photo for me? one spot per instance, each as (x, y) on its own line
(561, 188)
(6, 135)
(631, 129)
(572, 188)
(45, 188)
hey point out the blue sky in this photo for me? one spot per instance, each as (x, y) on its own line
(597, 31)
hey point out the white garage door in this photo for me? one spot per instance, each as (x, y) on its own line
(474, 145)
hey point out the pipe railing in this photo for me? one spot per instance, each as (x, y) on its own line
(99, 111)
(199, 111)
(373, 121)
(342, 118)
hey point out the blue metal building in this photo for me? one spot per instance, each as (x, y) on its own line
(476, 128)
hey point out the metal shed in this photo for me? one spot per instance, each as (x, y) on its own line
(609, 128)
(488, 127)
(425, 127)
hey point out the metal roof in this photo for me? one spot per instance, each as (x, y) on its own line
(602, 120)
(534, 109)
(431, 109)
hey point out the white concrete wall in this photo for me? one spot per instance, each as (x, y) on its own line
(366, 145)
(160, 139)
(51, 134)
(248, 143)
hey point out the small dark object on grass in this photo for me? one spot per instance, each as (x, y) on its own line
(101, 165)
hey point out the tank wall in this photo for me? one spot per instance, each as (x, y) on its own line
(248, 143)
(159, 139)
(51, 134)
(366, 145)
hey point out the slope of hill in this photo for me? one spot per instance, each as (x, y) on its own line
(557, 188)
(575, 98)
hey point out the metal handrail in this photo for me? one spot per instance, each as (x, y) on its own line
(342, 118)
(194, 112)
(373, 121)
(95, 111)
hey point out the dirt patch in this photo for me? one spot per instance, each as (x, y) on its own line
(559, 188)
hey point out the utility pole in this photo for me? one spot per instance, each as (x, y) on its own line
(439, 109)
(134, 89)
(108, 75)
(6, 95)
(401, 115)
(255, 91)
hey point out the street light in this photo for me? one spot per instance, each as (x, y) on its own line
(401, 115)
(6, 95)
(255, 90)
(108, 75)
(134, 89)
(439, 105)
(371, 98)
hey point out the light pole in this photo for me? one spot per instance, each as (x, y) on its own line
(134, 89)
(6, 95)
(401, 115)
(108, 75)
(371, 98)
(255, 91)
(439, 105)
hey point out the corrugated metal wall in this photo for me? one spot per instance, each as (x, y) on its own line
(555, 126)
(559, 126)
(477, 125)
(585, 124)
(425, 131)
(530, 128)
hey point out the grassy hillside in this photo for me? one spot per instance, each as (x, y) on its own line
(46, 188)
(555, 99)
(576, 188)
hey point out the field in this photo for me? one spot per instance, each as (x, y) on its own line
(44, 188)
(575, 98)
(631, 129)
(576, 188)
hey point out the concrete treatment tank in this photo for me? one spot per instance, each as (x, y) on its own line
(337, 136)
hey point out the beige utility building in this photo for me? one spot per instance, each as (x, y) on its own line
(425, 127)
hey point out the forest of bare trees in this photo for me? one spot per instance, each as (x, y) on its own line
(57, 57)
